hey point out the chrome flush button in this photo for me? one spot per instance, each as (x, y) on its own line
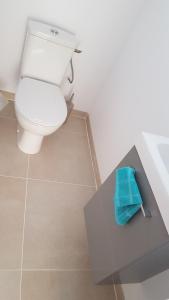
(54, 32)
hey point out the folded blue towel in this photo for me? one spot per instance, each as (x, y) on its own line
(127, 198)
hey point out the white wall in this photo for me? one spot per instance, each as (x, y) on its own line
(136, 95)
(136, 98)
(102, 26)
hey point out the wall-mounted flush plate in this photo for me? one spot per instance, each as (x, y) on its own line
(54, 32)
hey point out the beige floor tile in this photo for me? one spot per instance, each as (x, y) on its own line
(8, 111)
(64, 157)
(55, 234)
(9, 285)
(75, 124)
(11, 221)
(13, 162)
(63, 286)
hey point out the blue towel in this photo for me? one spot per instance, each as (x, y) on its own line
(127, 198)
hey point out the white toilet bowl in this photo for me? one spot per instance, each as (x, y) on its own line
(40, 110)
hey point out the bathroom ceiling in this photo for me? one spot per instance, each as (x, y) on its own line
(101, 25)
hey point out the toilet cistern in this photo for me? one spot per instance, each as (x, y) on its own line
(39, 103)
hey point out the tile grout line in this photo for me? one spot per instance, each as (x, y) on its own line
(12, 177)
(48, 180)
(10, 270)
(61, 182)
(44, 270)
(91, 158)
(23, 232)
(55, 270)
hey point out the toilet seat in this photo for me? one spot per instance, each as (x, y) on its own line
(41, 103)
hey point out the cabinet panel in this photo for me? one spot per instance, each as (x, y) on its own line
(113, 247)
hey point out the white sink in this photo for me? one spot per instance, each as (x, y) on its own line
(154, 154)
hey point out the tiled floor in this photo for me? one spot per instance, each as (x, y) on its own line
(43, 244)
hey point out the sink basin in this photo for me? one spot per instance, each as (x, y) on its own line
(154, 154)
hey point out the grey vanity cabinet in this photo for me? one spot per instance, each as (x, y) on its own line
(130, 253)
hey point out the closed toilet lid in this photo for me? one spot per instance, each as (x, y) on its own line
(40, 102)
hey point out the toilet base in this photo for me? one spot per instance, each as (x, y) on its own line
(27, 142)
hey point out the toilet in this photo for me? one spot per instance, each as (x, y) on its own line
(39, 102)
